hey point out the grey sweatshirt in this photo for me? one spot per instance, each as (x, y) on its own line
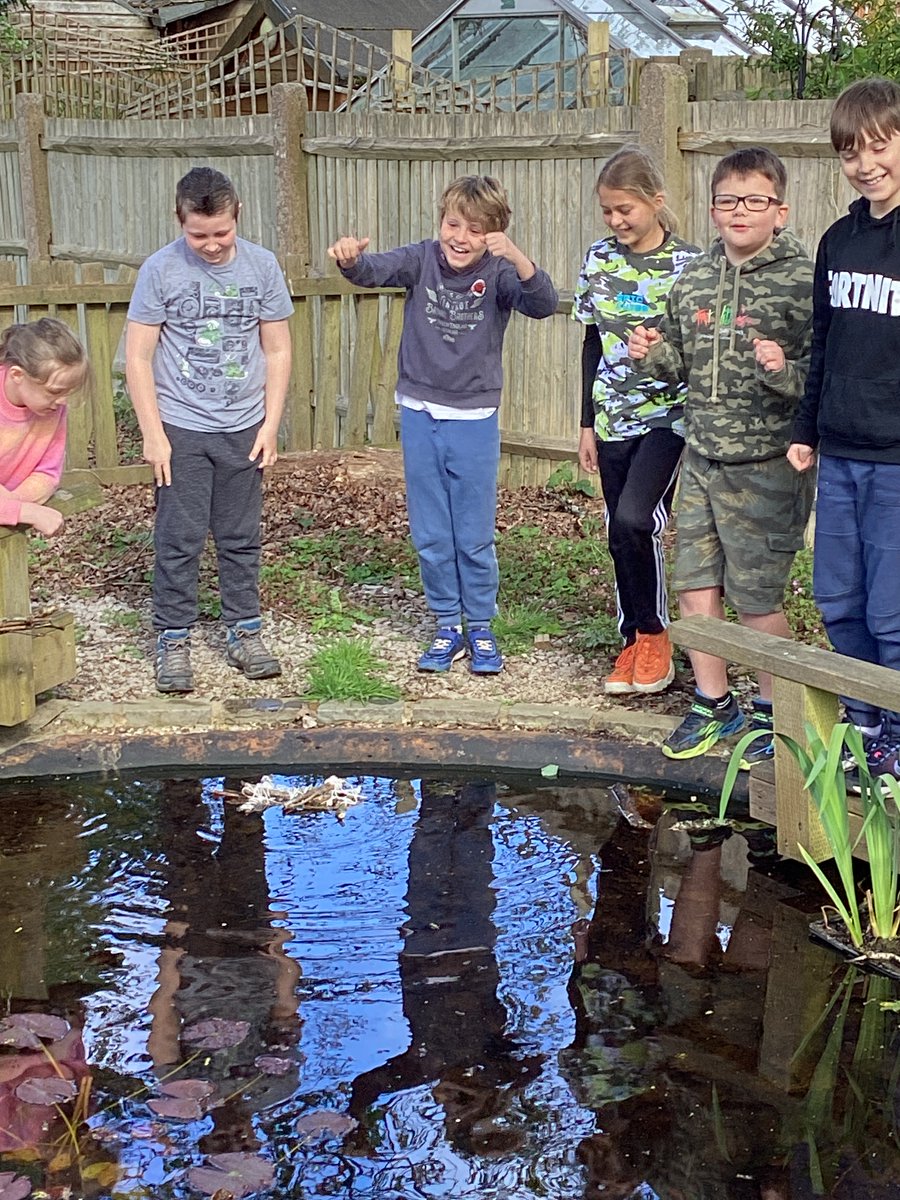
(453, 321)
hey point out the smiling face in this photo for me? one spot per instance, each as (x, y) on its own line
(634, 220)
(461, 239)
(42, 396)
(746, 233)
(211, 237)
(872, 167)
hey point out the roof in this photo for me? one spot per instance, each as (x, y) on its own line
(365, 17)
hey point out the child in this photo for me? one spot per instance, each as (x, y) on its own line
(460, 291)
(631, 424)
(851, 409)
(737, 330)
(207, 361)
(41, 365)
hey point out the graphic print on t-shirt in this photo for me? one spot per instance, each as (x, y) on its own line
(452, 313)
(223, 319)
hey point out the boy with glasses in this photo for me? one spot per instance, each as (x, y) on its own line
(737, 332)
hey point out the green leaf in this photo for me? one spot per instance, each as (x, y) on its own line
(550, 771)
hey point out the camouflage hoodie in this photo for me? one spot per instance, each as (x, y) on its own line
(735, 411)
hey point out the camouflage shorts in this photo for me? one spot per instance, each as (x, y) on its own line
(738, 526)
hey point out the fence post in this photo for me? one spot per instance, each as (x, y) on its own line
(662, 113)
(598, 63)
(696, 62)
(401, 55)
(289, 107)
(35, 182)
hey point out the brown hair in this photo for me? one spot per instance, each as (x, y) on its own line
(207, 192)
(869, 106)
(480, 198)
(752, 160)
(631, 169)
(40, 347)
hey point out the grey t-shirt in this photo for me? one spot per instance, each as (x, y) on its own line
(209, 368)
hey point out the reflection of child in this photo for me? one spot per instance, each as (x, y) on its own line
(207, 359)
(41, 365)
(737, 330)
(460, 292)
(630, 421)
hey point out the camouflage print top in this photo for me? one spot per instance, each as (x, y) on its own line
(617, 290)
(735, 410)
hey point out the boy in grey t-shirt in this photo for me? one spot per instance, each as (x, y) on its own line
(207, 361)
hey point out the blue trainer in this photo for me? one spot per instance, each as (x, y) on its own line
(446, 647)
(484, 657)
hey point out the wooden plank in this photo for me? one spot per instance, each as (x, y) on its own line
(809, 665)
(205, 146)
(361, 371)
(53, 654)
(16, 665)
(125, 476)
(525, 146)
(788, 143)
(298, 414)
(101, 347)
(796, 816)
(328, 374)
(384, 416)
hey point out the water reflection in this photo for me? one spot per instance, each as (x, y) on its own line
(458, 992)
(449, 976)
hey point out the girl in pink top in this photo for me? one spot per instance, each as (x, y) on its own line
(41, 364)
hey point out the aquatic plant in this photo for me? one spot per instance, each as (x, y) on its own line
(825, 778)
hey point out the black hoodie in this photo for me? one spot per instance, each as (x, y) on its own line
(851, 408)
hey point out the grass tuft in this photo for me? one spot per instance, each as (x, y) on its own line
(349, 669)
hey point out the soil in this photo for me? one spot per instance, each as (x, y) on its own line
(99, 569)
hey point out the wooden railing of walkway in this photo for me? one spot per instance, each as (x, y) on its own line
(807, 681)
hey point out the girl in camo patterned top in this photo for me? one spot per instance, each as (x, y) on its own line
(631, 426)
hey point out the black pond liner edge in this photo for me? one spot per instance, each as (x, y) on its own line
(819, 932)
(329, 749)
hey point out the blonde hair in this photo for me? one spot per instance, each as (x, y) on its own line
(40, 347)
(869, 106)
(480, 198)
(631, 169)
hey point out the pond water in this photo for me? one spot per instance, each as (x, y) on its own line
(470, 989)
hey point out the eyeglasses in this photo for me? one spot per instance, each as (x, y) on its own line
(727, 203)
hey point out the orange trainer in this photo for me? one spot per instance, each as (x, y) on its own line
(620, 680)
(653, 666)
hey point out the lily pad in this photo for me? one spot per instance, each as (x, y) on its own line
(13, 1186)
(239, 1173)
(217, 1033)
(49, 1090)
(326, 1123)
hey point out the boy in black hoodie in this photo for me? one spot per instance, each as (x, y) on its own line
(851, 409)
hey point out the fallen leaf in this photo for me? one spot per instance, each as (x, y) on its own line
(45, 1025)
(217, 1033)
(238, 1173)
(269, 1064)
(50, 1090)
(186, 1109)
(325, 1123)
(193, 1089)
(550, 771)
(13, 1186)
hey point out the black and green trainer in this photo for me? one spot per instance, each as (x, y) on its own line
(705, 724)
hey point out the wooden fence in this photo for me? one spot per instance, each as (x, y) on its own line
(99, 192)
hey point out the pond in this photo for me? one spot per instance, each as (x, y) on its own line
(488, 988)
